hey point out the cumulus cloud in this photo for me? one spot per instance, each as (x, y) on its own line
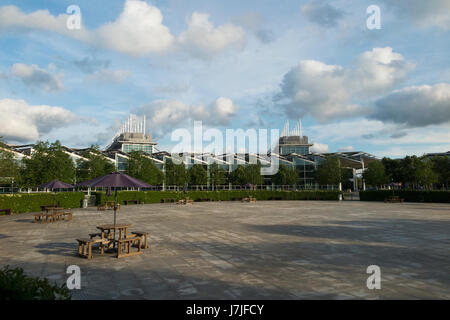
(415, 106)
(329, 92)
(166, 115)
(33, 76)
(203, 39)
(139, 30)
(434, 13)
(11, 18)
(109, 76)
(319, 148)
(24, 123)
(322, 14)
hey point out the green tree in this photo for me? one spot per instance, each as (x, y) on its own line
(375, 174)
(9, 167)
(48, 162)
(441, 166)
(285, 176)
(253, 174)
(96, 165)
(424, 174)
(176, 174)
(237, 176)
(197, 175)
(217, 175)
(329, 172)
(393, 169)
(141, 167)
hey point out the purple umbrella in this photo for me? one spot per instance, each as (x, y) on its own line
(115, 180)
(55, 184)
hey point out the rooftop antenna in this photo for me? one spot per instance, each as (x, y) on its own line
(285, 131)
(300, 127)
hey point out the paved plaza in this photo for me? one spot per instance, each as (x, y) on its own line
(234, 250)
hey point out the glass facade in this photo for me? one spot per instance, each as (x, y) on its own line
(287, 149)
(137, 147)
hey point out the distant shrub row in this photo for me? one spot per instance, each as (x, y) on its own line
(32, 202)
(158, 196)
(407, 195)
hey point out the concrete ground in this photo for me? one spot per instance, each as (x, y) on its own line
(262, 250)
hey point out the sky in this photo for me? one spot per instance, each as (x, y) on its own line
(230, 64)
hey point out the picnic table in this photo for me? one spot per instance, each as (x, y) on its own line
(109, 205)
(126, 202)
(123, 245)
(52, 214)
(393, 199)
(109, 229)
(6, 211)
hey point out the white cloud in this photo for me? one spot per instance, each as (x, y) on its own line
(319, 148)
(166, 115)
(139, 30)
(223, 110)
(329, 92)
(109, 76)
(24, 123)
(11, 18)
(415, 106)
(203, 39)
(33, 76)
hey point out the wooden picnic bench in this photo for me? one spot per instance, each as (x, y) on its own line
(126, 202)
(186, 201)
(53, 216)
(144, 236)
(85, 246)
(124, 246)
(393, 199)
(108, 205)
(6, 211)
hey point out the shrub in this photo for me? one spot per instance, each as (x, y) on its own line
(32, 202)
(157, 196)
(15, 285)
(407, 195)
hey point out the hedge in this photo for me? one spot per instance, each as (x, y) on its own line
(407, 195)
(32, 202)
(158, 196)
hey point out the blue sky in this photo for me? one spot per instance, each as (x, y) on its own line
(231, 64)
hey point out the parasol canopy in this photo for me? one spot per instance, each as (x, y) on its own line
(114, 180)
(55, 184)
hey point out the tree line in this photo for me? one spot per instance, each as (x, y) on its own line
(50, 161)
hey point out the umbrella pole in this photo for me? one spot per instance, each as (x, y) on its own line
(115, 208)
